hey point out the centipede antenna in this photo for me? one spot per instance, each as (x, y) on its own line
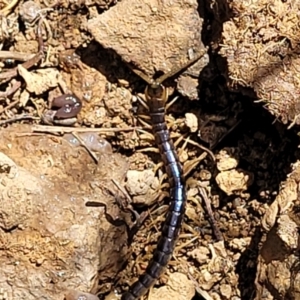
(177, 69)
(174, 71)
(141, 74)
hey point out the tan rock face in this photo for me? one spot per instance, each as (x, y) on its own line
(152, 35)
(278, 265)
(50, 240)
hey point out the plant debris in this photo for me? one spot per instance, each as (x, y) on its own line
(260, 44)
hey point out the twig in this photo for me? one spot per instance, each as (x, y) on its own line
(39, 33)
(211, 218)
(199, 290)
(189, 241)
(121, 189)
(92, 154)
(48, 28)
(10, 90)
(6, 76)
(202, 148)
(188, 140)
(139, 219)
(227, 133)
(62, 129)
(7, 9)
(12, 104)
(20, 56)
(18, 118)
(191, 164)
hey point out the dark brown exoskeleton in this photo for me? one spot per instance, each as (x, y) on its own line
(156, 97)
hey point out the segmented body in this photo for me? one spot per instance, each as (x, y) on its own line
(156, 95)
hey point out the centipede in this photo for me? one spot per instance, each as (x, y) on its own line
(156, 97)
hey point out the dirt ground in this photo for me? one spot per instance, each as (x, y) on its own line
(73, 188)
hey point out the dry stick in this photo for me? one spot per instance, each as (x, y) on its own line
(202, 148)
(7, 9)
(18, 118)
(12, 104)
(211, 218)
(59, 129)
(109, 218)
(199, 290)
(10, 90)
(188, 140)
(188, 242)
(6, 76)
(224, 135)
(82, 142)
(123, 190)
(21, 56)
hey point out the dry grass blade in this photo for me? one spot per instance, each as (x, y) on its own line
(7, 9)
(190, 165)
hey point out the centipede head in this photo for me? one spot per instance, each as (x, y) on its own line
(156, 91)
